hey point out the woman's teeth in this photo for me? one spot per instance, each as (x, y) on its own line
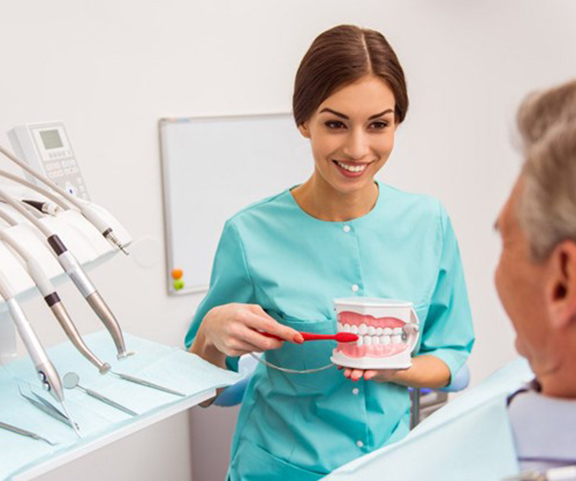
(351, 168)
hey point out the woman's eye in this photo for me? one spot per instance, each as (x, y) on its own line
(379, 125)
(334, 124)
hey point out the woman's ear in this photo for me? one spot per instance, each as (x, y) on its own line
(561, 290)
(304, 129)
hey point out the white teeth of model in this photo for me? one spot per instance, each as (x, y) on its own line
(385, 340)
(339, 327)
(387, 331)
(346, 327)
(360, 341)
(363, 329)
(396, 339)
(371, 330)
(367, 340)
(397, 331)
(379, 331)
(354, 329)
(376, 340)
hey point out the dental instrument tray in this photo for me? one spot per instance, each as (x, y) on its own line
(33, 442)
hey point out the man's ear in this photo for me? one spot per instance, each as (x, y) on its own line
(304, 129)
(561, 285)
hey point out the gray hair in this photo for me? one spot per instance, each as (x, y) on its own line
(547, 203)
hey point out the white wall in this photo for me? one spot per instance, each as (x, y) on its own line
(111, 69)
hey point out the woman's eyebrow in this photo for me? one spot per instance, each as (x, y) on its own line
(339, 114)
(384, 112)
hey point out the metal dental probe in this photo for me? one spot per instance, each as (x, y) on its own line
(24, 432)
(72, 380)
(143, 382)
(84, 207)
(79, 277)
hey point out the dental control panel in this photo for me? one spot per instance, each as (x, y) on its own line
(46, 147)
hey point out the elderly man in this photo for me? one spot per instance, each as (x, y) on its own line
(504, 426)
(536, 278)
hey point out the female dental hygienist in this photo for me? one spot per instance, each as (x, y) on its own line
(282, 261)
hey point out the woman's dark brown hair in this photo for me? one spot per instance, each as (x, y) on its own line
(339, 57)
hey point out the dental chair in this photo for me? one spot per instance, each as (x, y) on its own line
(232, 395)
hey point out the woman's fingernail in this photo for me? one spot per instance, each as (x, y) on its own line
(298, 339)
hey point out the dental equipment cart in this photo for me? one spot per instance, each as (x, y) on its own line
(33, 443)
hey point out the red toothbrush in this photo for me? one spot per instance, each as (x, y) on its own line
(308, 336)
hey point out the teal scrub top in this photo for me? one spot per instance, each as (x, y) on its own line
(303, 426)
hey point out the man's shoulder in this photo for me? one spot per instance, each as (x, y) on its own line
(500, 384)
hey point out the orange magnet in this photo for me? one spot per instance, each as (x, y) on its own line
(177, 274)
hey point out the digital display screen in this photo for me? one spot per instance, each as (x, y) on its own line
(51, 139)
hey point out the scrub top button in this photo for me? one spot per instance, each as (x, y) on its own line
(346, 228)
(355, 391)
(355, 288)
(360, 444)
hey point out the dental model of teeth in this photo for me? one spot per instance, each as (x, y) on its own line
(387, 332)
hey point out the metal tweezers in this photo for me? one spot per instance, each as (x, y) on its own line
(24, 432)
(48, 408)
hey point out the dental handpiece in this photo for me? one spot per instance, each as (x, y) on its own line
(55, 304)
(84, 207)
(87, 289)
(79, 277)
(45, 369)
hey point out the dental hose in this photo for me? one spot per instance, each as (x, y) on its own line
(290, 371)
(35, 188)
(84, 207)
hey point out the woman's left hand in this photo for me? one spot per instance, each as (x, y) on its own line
(380, 375)
(426, 371)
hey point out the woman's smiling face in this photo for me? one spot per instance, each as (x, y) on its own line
(352, 134)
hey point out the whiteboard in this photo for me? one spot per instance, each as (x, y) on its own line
(213, 167)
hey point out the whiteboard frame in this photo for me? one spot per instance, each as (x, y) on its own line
(168, 228)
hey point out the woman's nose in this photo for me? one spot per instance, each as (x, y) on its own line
(357, 146)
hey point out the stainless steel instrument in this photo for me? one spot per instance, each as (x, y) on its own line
(143, 382)
(51, 410)
(71, 380)
(24, 432)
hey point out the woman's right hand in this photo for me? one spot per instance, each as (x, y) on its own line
(235, 329)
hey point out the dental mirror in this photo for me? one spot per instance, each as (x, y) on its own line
(72, 380)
